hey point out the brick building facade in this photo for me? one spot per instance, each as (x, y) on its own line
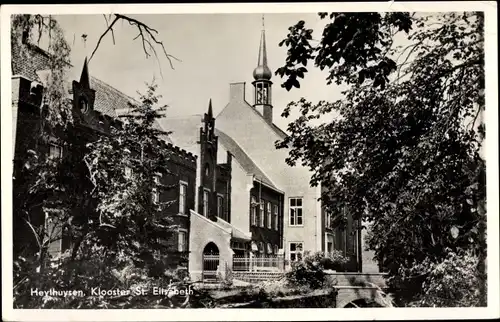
(95, 107)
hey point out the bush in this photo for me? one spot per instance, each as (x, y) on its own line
(310, 270)
(69, 274)
(226, 281)
(456, 281)
(335, 261)
(282, 287)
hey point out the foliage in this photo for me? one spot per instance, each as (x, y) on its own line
(85, 275)
(310, 270)
(226, 280)
(401, 147)
(453, 282)
(283, 287)
(127, 168)
(335, 260)
(56, 108)
(113, 223)
(43, 183)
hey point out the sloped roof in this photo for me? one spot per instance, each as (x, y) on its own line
(235, 232)
(107, 98)
(185, 131)
(242, 158)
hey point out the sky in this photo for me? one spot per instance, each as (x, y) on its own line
(214, 50)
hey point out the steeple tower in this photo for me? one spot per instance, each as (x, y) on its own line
(262, 81)
(84, 78)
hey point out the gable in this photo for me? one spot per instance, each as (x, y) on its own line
(243, 159)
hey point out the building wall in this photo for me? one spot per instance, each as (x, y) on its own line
(241, 183)
(27, 106)
(369, 264)
(206, 231)
(223, 188)
(185, 172)
(214, 177)
(265, 234)
(257, 138)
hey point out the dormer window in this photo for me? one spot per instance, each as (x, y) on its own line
(84, 106)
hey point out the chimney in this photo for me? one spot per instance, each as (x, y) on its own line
(237, 92)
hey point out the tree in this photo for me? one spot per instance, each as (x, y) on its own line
(126, 168)
(48, 202)
(40, 181)
(403, 150)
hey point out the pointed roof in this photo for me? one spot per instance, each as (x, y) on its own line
(262, 71)
(84, 78)
(210, 113)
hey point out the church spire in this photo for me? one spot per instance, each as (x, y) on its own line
(84, 78)
(262, 83)
(262, 71)
(210, 113)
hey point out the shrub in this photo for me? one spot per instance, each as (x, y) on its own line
(335, 261)
(310, 270)
(282, 287)
(456, 281)
(65, 273)
(226, 281)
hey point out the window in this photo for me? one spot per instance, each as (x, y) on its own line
(262, 214)
(296, 251)
(207, 170)
(182, 240)
(329, 247)
(155, 192)
(53, 234)
(55, 151)
(296, 212)
(220, 207)
(276, 211)
(253, 211)
(261, 247)
(328, 219)
(84, 107)
(182, 197)
(269, 218)
(355, 239)
(269, 248)
(276, 249)
(206, 194)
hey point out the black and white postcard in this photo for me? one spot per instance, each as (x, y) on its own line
(185, 162)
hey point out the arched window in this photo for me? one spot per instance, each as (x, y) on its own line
(84, 106)
(207, 170)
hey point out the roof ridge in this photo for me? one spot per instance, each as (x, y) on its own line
(115, 89)
(182, 116)
(248, 155)
(273, 126)
(210, 221)
(47, 54)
